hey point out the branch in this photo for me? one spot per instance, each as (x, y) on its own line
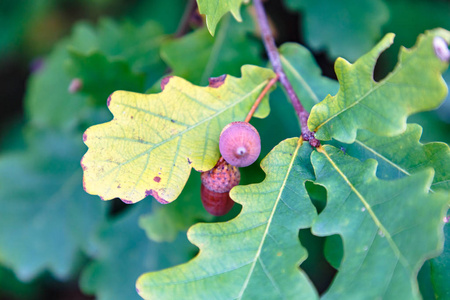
(183, 26)
(274, 57)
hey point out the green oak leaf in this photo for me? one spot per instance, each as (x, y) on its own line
(215, 9)
(46, 218)
(344, 28)
(397, 157)
(154, 141)
(403, 155)
(100, 76)
(256, 255)
(125, 253)
(164, 222)
(387, 230)
(212, 57)
(48, 102)
(305, 75)
(382, 107)
(137, 45)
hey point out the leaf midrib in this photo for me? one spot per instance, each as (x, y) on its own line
(394, 165)
(269, 221)
(375, 219)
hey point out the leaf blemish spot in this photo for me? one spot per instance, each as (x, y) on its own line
(216, 82)
(441, 48)
(155, 195)
(108, 101)
(363, 209)
(165, 81)
(126, 201)
(83, 166)
(189, 161)
(157, 179)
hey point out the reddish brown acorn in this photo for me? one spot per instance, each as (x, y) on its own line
(240, 144)
(217, 204)
(216, 185)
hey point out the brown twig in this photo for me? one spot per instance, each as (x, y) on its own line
(275, 60)
(184, 23)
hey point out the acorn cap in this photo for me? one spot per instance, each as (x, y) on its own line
(222, 178)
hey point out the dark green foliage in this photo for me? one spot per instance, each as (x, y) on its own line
(379, 199)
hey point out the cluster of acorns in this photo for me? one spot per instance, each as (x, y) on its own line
(240, 146)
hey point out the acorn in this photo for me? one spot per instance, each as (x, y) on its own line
(217, 204)
(240, 144)
(216, 185)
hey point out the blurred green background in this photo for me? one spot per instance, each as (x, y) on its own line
(56, 241)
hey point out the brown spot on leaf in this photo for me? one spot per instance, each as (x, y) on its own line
(84, 185)
(109, 100)
(189, 161)
(215, 82)
(82, 165)
(157, 179)
(155, 195)
(84, 137)
(126, 201)
(165, 81)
